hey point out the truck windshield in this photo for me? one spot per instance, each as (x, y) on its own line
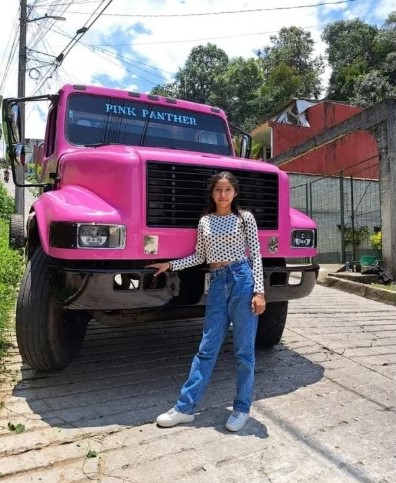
(95, 120)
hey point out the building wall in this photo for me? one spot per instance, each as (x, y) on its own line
(358, 151)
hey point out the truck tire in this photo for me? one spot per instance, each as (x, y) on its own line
(271, 324)
(17, 232)
(48, 336)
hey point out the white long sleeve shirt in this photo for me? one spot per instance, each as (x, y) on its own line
(226, 239)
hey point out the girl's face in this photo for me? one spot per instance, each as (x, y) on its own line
(223, 193)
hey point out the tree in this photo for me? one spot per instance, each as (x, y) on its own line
(290, 67)
(237, 91)
(198, 77)
(282, 83)
(363, 61)
(371, 88)
(167, 90)
(350, 53)
(385, 48)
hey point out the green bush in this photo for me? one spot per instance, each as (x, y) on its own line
(7, 206)
(376, 240)
(11, 267)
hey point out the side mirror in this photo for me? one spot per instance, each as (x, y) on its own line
(246, 145)
(241, 140)
(13, 113)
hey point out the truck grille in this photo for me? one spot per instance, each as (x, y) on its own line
(177, 194)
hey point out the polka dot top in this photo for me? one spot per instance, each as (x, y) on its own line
(226, 239)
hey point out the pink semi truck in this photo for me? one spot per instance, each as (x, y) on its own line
(123, 179)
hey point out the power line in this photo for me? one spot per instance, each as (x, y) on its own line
(76, 2)
(198, 40)
(124, 62)
(10, 60)
(12, 52)
(79, 34)
(123, 59)
(226, 12)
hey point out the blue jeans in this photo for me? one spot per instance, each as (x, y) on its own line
(229, 300)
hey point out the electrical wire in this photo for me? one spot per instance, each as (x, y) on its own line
(226, 12)
(79, 34)
(199, 39)
(124, 59)
(111, 57)
(12, 53)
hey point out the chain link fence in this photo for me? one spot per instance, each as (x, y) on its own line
(347, 209)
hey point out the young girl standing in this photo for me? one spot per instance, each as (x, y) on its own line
(236, 294)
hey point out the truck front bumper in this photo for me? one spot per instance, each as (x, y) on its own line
(136, 289)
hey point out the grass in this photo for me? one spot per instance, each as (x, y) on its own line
(11, 268)
(391, 287)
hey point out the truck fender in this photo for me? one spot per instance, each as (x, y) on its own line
(298, 219)
(73, 204)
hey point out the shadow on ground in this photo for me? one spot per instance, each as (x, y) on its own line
(127, 376)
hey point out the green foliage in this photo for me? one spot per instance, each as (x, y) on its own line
(16, 428)
(7, 206)
(355, 237)
(197, 80)
(376, 241)
(371, 88)
(363, 61)
(290, 60)
(11, 267)
(237, 91)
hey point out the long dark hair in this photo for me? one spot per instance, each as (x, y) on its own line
(211, 206)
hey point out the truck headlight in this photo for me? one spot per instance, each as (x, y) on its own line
(65, 234)
(100, 236)
(303, 238)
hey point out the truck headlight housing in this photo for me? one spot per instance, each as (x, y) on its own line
(100, 236)
(86, 235)
(303, 239)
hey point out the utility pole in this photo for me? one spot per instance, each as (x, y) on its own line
(19, 170)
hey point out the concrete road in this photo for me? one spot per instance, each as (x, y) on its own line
(324, 408)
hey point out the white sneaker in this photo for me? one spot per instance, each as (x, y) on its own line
(174, 417)
(236, 421)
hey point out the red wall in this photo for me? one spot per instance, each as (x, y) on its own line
(355, 154)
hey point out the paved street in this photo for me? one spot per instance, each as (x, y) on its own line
(324, 408)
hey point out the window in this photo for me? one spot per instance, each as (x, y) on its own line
(97, 120)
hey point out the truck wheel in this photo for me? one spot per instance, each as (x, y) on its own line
(271, 324)
(17, 232)
(48, 336)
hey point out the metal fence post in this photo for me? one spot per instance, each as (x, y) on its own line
(343, 252)
(306, 199)
(353, 222)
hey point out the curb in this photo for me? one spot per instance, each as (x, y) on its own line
(372, 293)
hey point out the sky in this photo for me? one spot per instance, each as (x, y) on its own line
(136, 45)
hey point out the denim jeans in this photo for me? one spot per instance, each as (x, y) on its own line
(229, 300)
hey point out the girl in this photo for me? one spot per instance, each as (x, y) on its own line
(236, 294)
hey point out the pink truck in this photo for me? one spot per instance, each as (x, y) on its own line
(123, 179)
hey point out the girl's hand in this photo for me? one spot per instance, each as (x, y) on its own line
(258, 303)
(161, 267)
